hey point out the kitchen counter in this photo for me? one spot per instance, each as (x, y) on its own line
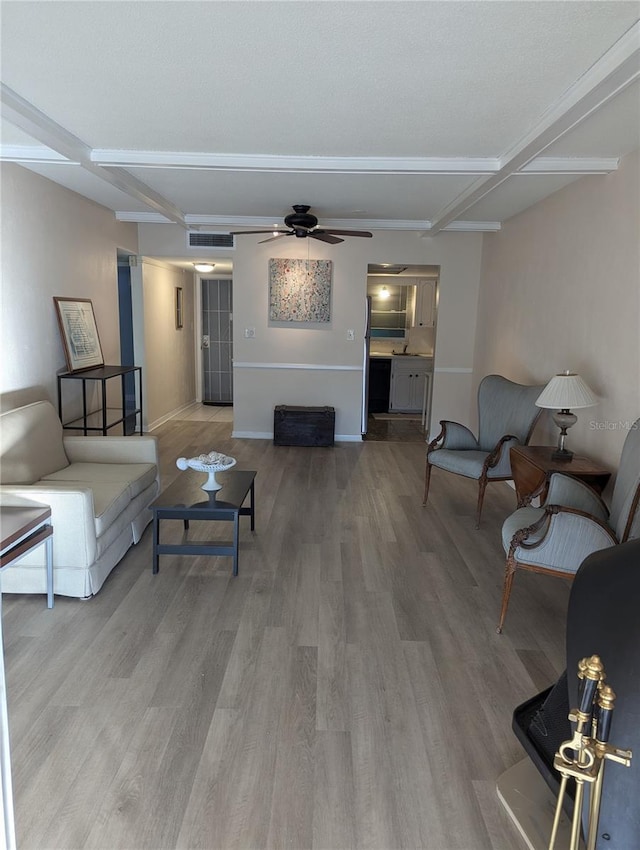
(389, 355)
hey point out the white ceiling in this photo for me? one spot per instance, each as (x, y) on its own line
(408, 115)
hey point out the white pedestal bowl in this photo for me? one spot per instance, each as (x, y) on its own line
(210, 463)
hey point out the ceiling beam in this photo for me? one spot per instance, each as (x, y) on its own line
(36, 124)
(285, 164)
(617, 69)
(222, 223)
(297, 164)
(343, 164)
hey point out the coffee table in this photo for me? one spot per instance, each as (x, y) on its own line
(186, 500)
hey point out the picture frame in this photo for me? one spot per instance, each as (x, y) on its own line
(179, 302)
(79, 332)
(300, 291)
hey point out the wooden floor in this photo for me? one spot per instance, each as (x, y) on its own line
(397, 428)
(346, 690)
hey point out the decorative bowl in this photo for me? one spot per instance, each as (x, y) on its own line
(210, 463)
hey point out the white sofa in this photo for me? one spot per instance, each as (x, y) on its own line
(99, 490)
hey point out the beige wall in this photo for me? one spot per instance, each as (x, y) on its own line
(263, 366)
(54, 242)
(166, 353)
(275, 350)
(561, 289)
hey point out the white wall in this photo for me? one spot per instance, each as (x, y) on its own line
(263, 373)
(165, 352)
(54, 242)
(561, 289)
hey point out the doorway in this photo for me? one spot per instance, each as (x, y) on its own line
(401, 308)
(217, 341)
(127, 358)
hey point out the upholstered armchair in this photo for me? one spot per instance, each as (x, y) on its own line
(506, 416)
(573, 522)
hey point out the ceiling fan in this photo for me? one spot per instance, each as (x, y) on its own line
(302, 223)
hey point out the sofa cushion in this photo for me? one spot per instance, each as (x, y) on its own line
(133, 478)
(109, 501)
(31, 443)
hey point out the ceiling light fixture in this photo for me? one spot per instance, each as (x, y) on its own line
(384, 292)
(204, 267)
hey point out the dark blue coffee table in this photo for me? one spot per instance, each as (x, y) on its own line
(186, 500)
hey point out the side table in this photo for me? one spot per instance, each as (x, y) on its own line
(531, 466)
(23, 528)
(104, 418)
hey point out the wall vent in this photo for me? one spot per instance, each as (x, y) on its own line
(198, 239)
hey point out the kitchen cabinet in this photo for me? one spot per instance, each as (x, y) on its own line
(410, 378)
(425, 303)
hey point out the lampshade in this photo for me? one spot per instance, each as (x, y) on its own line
(566, 391)
(204, 267)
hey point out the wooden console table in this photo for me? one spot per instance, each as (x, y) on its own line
(105, 418)
(531, 466)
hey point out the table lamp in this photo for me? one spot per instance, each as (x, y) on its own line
(564, 391)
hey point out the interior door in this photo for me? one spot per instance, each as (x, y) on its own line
(217, 341)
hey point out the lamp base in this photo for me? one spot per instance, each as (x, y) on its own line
(562, 455)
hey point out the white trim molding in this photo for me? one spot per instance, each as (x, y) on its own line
(268, 435)
(454, 370)
(322, 367)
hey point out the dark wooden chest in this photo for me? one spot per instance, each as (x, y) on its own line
(303, 426)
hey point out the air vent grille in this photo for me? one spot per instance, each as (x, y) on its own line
(385, 268)
(197, 239)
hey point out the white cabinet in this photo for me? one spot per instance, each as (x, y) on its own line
(425, 303)
(409, 384)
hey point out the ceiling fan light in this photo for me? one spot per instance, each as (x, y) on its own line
(204, 267)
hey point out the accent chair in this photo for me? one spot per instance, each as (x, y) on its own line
(506, 415)
(573, 522)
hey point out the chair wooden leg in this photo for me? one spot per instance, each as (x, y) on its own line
(427, 480)
(509, 574)
(482, 486)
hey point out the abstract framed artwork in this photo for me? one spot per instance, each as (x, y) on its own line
(79, 333)
(300, 291)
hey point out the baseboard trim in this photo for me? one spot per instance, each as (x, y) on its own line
(167, 416)
(268, 435)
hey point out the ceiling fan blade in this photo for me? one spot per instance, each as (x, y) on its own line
(251, 232)
(273, 238)
(324, 237)
(349, 232)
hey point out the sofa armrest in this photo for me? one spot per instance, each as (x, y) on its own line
(72, 518)
(112, 449)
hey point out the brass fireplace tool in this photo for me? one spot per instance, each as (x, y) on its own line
(583, 757)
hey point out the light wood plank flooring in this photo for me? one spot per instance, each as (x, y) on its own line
(346, 690)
